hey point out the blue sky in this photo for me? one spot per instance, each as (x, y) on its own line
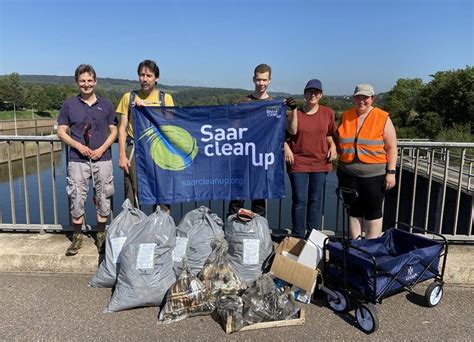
(218, 43)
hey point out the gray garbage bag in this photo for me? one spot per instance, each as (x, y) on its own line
(117, 233)
(250, 244)
(193, 238)
(146, 269)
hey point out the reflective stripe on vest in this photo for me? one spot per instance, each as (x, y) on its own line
(348, 150)
(368, 143)
(370, 153)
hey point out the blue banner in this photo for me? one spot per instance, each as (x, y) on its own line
(210, 152)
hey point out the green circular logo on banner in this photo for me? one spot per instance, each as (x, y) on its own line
(171, 147)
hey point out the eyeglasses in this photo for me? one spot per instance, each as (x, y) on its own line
(315, 92)
(362, 97)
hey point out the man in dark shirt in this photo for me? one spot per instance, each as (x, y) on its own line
(86, 123)
(262, 76)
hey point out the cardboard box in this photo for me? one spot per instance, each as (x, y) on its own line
(312, 252)
(288, 269)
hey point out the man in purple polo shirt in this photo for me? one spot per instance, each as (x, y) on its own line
(86, 123)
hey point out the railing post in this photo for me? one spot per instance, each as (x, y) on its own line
(469, 176)
(25, 183)
(471, 218)
(10, 181)
(53, 184)
(399, 189)
(443, 196)
(458, 194)
(428, 195)
(323, 205)
(415, 181)
(40, 188)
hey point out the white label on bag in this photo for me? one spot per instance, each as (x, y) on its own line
(180, 250)
(117, 245)
(251, 251)
(146, 256)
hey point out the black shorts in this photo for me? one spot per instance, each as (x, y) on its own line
(371, 194)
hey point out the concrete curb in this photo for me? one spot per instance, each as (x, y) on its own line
(23, 252)
(460, 264)
(26, 252)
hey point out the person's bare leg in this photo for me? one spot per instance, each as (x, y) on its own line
(355, 227)
(77, 223)
(373, 228)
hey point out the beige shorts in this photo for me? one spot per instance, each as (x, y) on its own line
(79, 175)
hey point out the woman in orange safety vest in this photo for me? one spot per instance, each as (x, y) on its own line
(367, 145)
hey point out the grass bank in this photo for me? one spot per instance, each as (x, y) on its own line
(27, 114)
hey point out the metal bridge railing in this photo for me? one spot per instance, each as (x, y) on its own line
(444, 165)
(38, 143)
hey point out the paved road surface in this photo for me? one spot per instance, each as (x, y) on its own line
(61, 307)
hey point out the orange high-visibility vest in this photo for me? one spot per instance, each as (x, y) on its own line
(368, 143)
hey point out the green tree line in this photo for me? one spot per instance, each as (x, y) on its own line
(41, 97)
(440, 109)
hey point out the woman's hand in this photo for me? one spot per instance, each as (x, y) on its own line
(290, 103)
(332, 153)
(289, 158)
(390, 181)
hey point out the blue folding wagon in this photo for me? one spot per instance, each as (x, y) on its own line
(367, 271)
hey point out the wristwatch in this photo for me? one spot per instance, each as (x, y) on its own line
(392, 172)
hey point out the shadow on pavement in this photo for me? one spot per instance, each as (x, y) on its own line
(416, 298)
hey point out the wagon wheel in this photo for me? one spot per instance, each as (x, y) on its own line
(367, 318)
(433, 294)
(339, 304)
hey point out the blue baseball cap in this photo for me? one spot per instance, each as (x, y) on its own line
(314, 84)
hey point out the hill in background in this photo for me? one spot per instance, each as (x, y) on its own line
(183, 95)
(123, 85)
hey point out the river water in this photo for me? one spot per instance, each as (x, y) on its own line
(277, 219)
